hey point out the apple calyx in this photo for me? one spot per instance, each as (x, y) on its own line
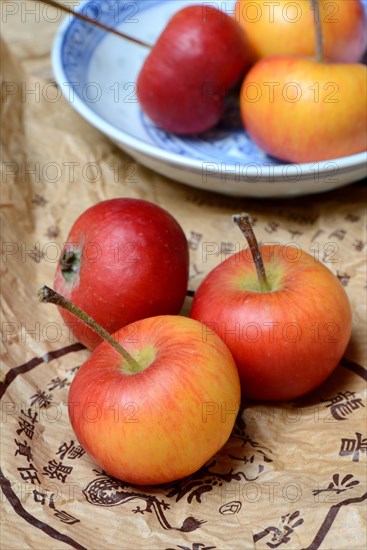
(319, 54)
(69, 264)
(48, 295)
(244, 223)
(95, 22)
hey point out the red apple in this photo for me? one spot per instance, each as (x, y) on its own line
(124, 260)
(287, 28)
(199, 56)
(286, 328)
(164, 418)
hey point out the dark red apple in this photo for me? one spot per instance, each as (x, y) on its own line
(124, 260)
(199, 56)
(286, 318)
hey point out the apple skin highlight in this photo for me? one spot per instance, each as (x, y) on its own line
(285, 342)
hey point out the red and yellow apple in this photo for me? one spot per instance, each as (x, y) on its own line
(287, 28)
(300, 110)
(164, 417)
(287, 335)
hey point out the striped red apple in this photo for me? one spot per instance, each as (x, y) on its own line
(285, 317)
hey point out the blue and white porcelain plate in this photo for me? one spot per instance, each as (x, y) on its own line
(97, 72)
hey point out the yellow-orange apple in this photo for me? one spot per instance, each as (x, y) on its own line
(300, 110)
(283, 27)
(166, 418)
(154, 401)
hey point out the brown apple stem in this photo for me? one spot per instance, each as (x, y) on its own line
(244, 223)
(94, 22)
(318, 31)
(48, 295)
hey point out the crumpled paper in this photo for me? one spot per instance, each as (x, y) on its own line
(291, 476)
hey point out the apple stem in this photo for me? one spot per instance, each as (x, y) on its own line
(244, 223)
(318, 31)
(48, 295)
(94, 22)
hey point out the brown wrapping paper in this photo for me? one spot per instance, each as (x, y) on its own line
(291, 476)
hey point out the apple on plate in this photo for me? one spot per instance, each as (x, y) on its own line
(124, 259)
(199, 56)
(153, 402)
(287, 28)
(285, 317)
(306, 110)
(299, 110)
